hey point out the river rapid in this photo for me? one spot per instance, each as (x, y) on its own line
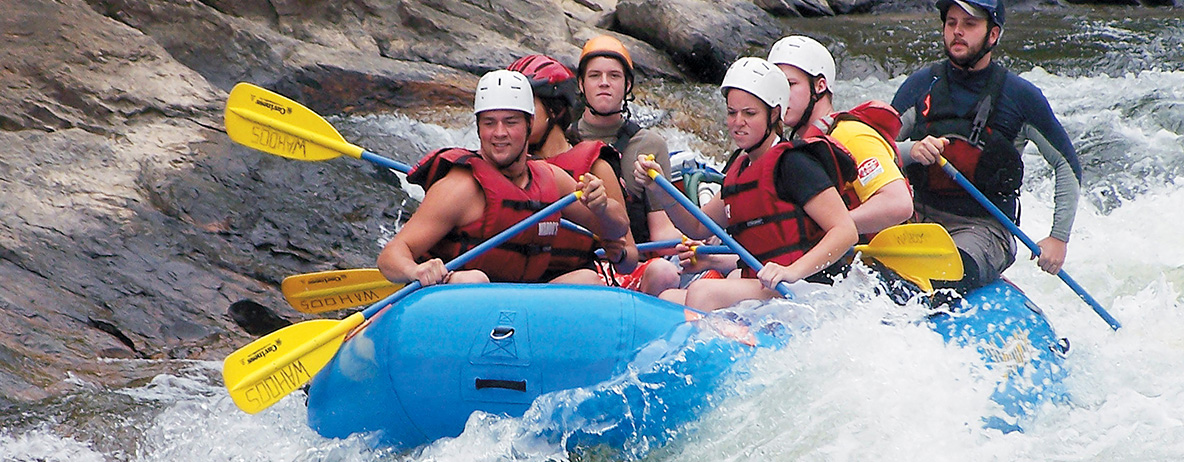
(853, 387)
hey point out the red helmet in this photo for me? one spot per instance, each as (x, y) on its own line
(548, 78)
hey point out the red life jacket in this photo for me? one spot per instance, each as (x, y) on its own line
(574, 250)
(772, 229)
(983, 155)
(878, 115)
(524, 257)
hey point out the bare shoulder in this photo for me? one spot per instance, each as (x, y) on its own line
(457, 183)
(565, 182)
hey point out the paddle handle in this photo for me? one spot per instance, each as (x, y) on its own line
(998, 214)
(481, 248)
(745, 255)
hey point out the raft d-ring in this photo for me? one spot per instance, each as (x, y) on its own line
(501, 333)
(1061, 347)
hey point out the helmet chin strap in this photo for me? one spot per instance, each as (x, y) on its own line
(624, 104)
(768, 132)
(509, 163)
(534, 147)
(624, 108)
(805, 119)
(525, 151)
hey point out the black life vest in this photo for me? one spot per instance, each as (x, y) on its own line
(523, 258)
(636, 206)
(983, 155)
(625, 134)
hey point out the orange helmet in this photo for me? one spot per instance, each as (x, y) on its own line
(606, 45)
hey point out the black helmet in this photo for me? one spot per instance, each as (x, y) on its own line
(993, 8)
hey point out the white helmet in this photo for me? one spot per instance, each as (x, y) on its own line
(806, 54)
(502, 89)
(761, 78)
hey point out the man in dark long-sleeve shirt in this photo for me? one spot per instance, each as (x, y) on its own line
(978, 115)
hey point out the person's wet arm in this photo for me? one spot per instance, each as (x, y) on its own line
(436, 216)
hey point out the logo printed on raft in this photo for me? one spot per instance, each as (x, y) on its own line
(1014, 353)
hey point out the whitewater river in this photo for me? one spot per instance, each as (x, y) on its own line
(854, 387)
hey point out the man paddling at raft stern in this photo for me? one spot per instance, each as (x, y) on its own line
(977, 115)
(606, 79)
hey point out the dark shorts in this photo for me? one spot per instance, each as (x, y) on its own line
(983, 239)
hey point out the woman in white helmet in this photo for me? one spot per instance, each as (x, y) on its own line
(880, 196)
(778, 200)
(472, 195)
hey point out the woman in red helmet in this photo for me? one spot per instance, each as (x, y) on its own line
(555, 100)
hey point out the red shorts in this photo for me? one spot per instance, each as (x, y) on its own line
(632, 281)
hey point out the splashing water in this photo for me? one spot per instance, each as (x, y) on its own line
(864, 381)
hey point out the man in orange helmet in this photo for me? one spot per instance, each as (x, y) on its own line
(606, 77)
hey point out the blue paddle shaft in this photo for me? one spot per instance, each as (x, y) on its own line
(481, 248)
(998, 214)
(385, 162)
(658, 245)
(713, 250)
(648, 246)
(719, 232)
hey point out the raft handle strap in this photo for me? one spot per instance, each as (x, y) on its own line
(516, 385)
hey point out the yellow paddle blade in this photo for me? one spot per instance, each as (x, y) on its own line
(336, 290)
(273, 366)
(261, 119)
(918, 252)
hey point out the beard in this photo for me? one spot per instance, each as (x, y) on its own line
(973, 53)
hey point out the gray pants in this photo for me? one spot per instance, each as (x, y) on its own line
(983, 239)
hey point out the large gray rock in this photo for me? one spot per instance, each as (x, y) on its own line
(64, 66)
(321, 56)
(702, 36)
(796, 8)
(129, 221)
(472, 36)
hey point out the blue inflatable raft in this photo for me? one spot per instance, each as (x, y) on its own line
(422, 367)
